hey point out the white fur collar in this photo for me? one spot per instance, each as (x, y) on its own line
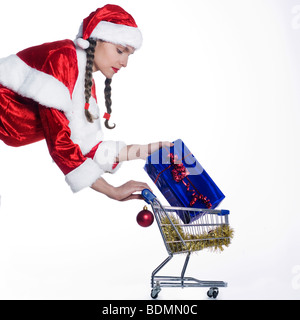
(16, 75)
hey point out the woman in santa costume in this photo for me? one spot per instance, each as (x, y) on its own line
(48, 92)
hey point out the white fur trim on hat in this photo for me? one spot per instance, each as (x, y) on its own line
(116, 33)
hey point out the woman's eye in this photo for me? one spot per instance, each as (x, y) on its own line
(119, 51)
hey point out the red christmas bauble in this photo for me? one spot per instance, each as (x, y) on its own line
(145, 218)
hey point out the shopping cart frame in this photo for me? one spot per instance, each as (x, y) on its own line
(157, 282)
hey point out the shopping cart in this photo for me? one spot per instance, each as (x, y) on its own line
(210, 229)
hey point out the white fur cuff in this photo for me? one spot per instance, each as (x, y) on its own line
(106, 155)
(84, 175)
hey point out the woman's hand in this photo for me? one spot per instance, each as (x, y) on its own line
(121, 193)
(127, 190)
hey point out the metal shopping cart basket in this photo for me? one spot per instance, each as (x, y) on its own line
(210, 229)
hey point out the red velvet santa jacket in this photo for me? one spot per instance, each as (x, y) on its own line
(42, 97)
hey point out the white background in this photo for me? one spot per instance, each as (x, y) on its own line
(222, 75)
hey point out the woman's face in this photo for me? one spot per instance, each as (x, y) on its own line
(110, 58)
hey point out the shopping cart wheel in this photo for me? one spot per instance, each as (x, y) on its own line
(213, 292)
(154, 294)
(155, 291)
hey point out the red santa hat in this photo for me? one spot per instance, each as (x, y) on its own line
(110, 23)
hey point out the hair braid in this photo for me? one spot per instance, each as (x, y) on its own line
(90, 51)
(108, 102)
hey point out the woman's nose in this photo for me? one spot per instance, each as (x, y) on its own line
(124, 61)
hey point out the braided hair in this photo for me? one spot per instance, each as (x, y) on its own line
(108, 103)
(90, 53)
(88, 83)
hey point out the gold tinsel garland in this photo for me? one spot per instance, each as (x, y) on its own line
(215, 239)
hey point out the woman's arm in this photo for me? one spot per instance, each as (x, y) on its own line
(127, 190)
(136, 151)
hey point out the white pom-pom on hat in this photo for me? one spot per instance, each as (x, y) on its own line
(83, 44)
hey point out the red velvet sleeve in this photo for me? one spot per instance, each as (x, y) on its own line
(64, 152)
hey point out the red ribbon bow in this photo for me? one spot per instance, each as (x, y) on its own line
(179, 172)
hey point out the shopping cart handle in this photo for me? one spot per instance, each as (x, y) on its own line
(148, 196)
(223, 212)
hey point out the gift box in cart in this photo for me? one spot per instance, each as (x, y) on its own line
(182, 180)
(209, 230)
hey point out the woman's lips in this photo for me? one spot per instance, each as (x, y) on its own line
(115, 69)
